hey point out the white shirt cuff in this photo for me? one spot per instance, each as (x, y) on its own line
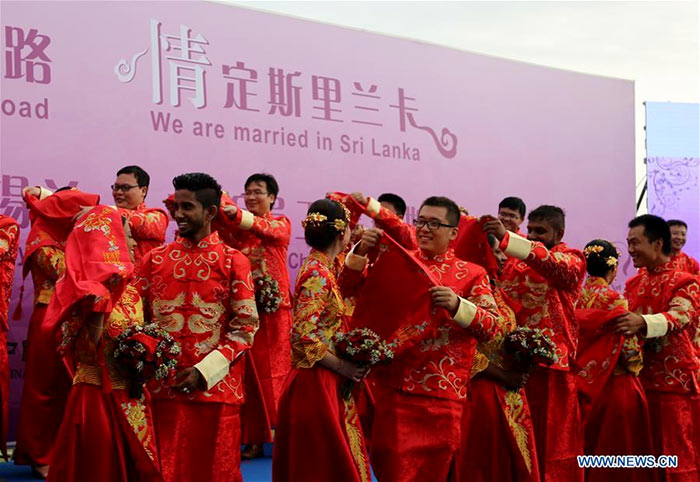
(247, 219)
(465, 313)
(657, 325)
(213, 367)
(44, 193)
(373, 208)
(518, 247)
(354, 261)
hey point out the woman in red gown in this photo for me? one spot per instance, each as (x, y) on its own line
(614, 407)
(318, 435)
(105, 435)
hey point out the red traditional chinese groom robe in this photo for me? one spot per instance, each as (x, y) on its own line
(203, 295)
(669, 301)
(419, 396)
(148, 226)
(264, 240)
(546, 284)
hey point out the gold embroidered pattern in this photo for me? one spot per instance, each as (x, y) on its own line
(515, 411)
(354, 433)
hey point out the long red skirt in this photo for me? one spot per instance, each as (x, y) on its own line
(44, 395)
(94, 442)
(675, 423)
(198, 441)
(318, 436)
(492, 449)
(619, 425)
(553, 400)
(415, 438)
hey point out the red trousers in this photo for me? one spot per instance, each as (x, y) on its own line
(415, 438)
(675, 423)
(553, 400)
(198, 441)
(44, 395)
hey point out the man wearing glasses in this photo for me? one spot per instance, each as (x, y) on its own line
(264, 239)
(420, 398)
(148, 225)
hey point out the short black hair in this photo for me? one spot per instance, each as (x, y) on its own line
(64, 188)
(142, 177)
(514, 203)
(598, 253)
(320, 235)
(205, 188)
(396, 201)
(269, 180)
(443, 202)
(676, 222)
(554, 215)
(655, 227)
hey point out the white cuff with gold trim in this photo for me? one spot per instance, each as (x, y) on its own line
(657, 325)
(247, 219)
(44, 193)
(354, 261)
(213, 368)
(465, 313)
(373, 208)
(518, 247)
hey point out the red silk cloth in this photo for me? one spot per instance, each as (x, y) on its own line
(498, 442)
(312, 443)
(198, 441)
(618, 424)
(414, 437)
(96, 442)
(473, 245)
(598, 351)
(555, 417)
(395, 300)
(44, 394)
(52, 218)
(255, 423)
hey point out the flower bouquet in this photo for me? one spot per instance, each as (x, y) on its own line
(529, 347)
(144, 353)
(362, 346)
(267, 294)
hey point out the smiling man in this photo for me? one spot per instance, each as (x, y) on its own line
(148, 225)
(420, 397)
(544, 276)
(201, 291)
(664, 303)
(681, 260)
(511, 212)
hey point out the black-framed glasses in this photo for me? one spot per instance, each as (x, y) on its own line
(432, 224)
(255, 193)
(122, 187)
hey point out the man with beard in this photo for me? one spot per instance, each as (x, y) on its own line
(544, 277)
(201, 291)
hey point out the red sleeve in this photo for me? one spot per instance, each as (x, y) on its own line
(150, 224)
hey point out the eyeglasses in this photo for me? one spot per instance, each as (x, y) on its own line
(255, 193)
(122, 187)
(432, 224)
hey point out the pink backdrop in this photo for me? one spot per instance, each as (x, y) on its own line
(472, 127)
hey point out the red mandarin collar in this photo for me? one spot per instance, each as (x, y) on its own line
(667, 266)
(204, 243)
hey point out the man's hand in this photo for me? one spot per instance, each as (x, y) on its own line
(444, 297)
(32, 191)
(493, 226)
(630, 324)
(230, 210)
(191, 380)
(370, 238)
(360, 198)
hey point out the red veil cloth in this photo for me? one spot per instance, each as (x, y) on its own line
(395, 300)
(472, 244)
(105, 435)
(46, 383)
